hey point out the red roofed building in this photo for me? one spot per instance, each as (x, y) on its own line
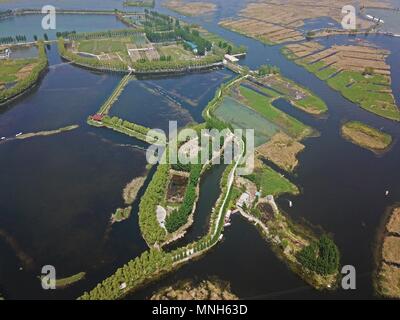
(98, 117)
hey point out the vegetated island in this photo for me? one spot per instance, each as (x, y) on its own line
(196, 8)
(388, 275)
(47, 132)
(249, 103)
(366, 136)
(360, 73)
(204, 290)
(132, 189)
(139, 3)
(314, 259)
(63, 283)
(129, 195)
(121, 214)
(154, 44)
(19, 75)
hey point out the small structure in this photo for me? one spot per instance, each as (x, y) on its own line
(5, 54)
(244, 200)
(98, 117)
(161, 216)
(122, 286)
(192, 46)
(231, 58)
(271, 201)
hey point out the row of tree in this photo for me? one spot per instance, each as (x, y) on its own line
(131, 275)
(179, 217)
(170, 65)
(100, 34)
(10, 39)
(150, 228)
(121, 124)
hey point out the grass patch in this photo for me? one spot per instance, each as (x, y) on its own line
(263, 105)
(271, 182)
(9, 69)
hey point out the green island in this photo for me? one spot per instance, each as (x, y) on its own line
(314, 259)
(121, 214)
(139, 3)
(63, 283)
(366, 136)
(359, 73)
(154, 43)
(19, 75)
(68, 281)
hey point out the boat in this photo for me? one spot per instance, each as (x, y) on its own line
(3, 138)
(220, 237)
(18, 134)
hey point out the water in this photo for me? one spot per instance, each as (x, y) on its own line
(342, 185)
(30, 25)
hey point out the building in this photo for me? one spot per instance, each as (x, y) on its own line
(244, 200)
(231, 58)
(5, 54)
(192, 46)
(98, 117)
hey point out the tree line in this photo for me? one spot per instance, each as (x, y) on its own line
(14, 39)
(180, 216)
(321, 256)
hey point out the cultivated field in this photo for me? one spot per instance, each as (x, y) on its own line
(391, 249)
(266, 32)
(15, 70)
(196, 8)
(393, 225)
(281, 150)
(277, 21)
(360, 73)
(388, 276)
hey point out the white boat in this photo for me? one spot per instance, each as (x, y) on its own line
(387, 193)
(290, 204)
(18, 134)
(220, 237)
(3, 138)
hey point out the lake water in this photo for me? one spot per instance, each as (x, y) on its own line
(58, 192)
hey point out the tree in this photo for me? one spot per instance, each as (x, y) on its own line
(368, 71)
(320, 256)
